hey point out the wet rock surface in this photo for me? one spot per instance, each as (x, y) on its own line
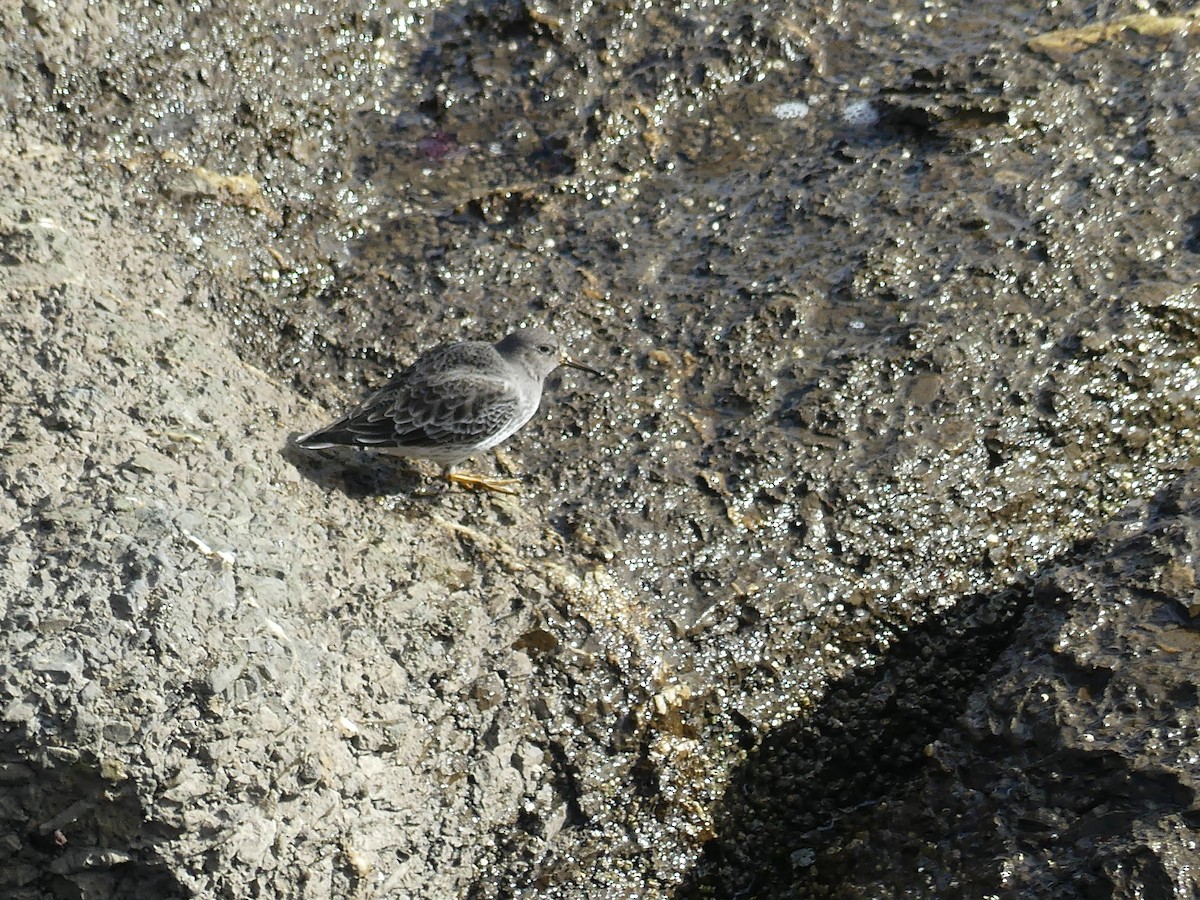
(901, 312)
(1070, 771)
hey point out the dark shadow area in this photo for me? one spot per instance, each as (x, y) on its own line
(71, 833)
(789, 807)
(1031, 743)
(359, 474)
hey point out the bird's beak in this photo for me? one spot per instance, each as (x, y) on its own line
(567, 361)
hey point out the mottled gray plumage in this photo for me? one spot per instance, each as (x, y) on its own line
(454, 401)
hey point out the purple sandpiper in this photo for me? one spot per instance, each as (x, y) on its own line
(455, 401)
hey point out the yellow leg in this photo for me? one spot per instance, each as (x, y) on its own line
(483, 483)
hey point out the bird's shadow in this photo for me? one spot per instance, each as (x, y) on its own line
(356, 473)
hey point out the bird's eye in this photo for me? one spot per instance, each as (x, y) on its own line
(545, 348)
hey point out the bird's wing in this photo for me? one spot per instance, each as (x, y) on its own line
(454, 409)
(447, 409)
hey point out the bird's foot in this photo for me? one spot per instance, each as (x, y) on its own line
(483, 483)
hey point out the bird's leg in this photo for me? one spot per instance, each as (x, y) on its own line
(482, 482)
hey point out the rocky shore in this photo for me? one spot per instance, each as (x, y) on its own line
(873, 571)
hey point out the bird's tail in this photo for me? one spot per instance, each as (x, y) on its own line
(323, 438)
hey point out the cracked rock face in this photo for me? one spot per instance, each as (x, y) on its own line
(871, 569)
